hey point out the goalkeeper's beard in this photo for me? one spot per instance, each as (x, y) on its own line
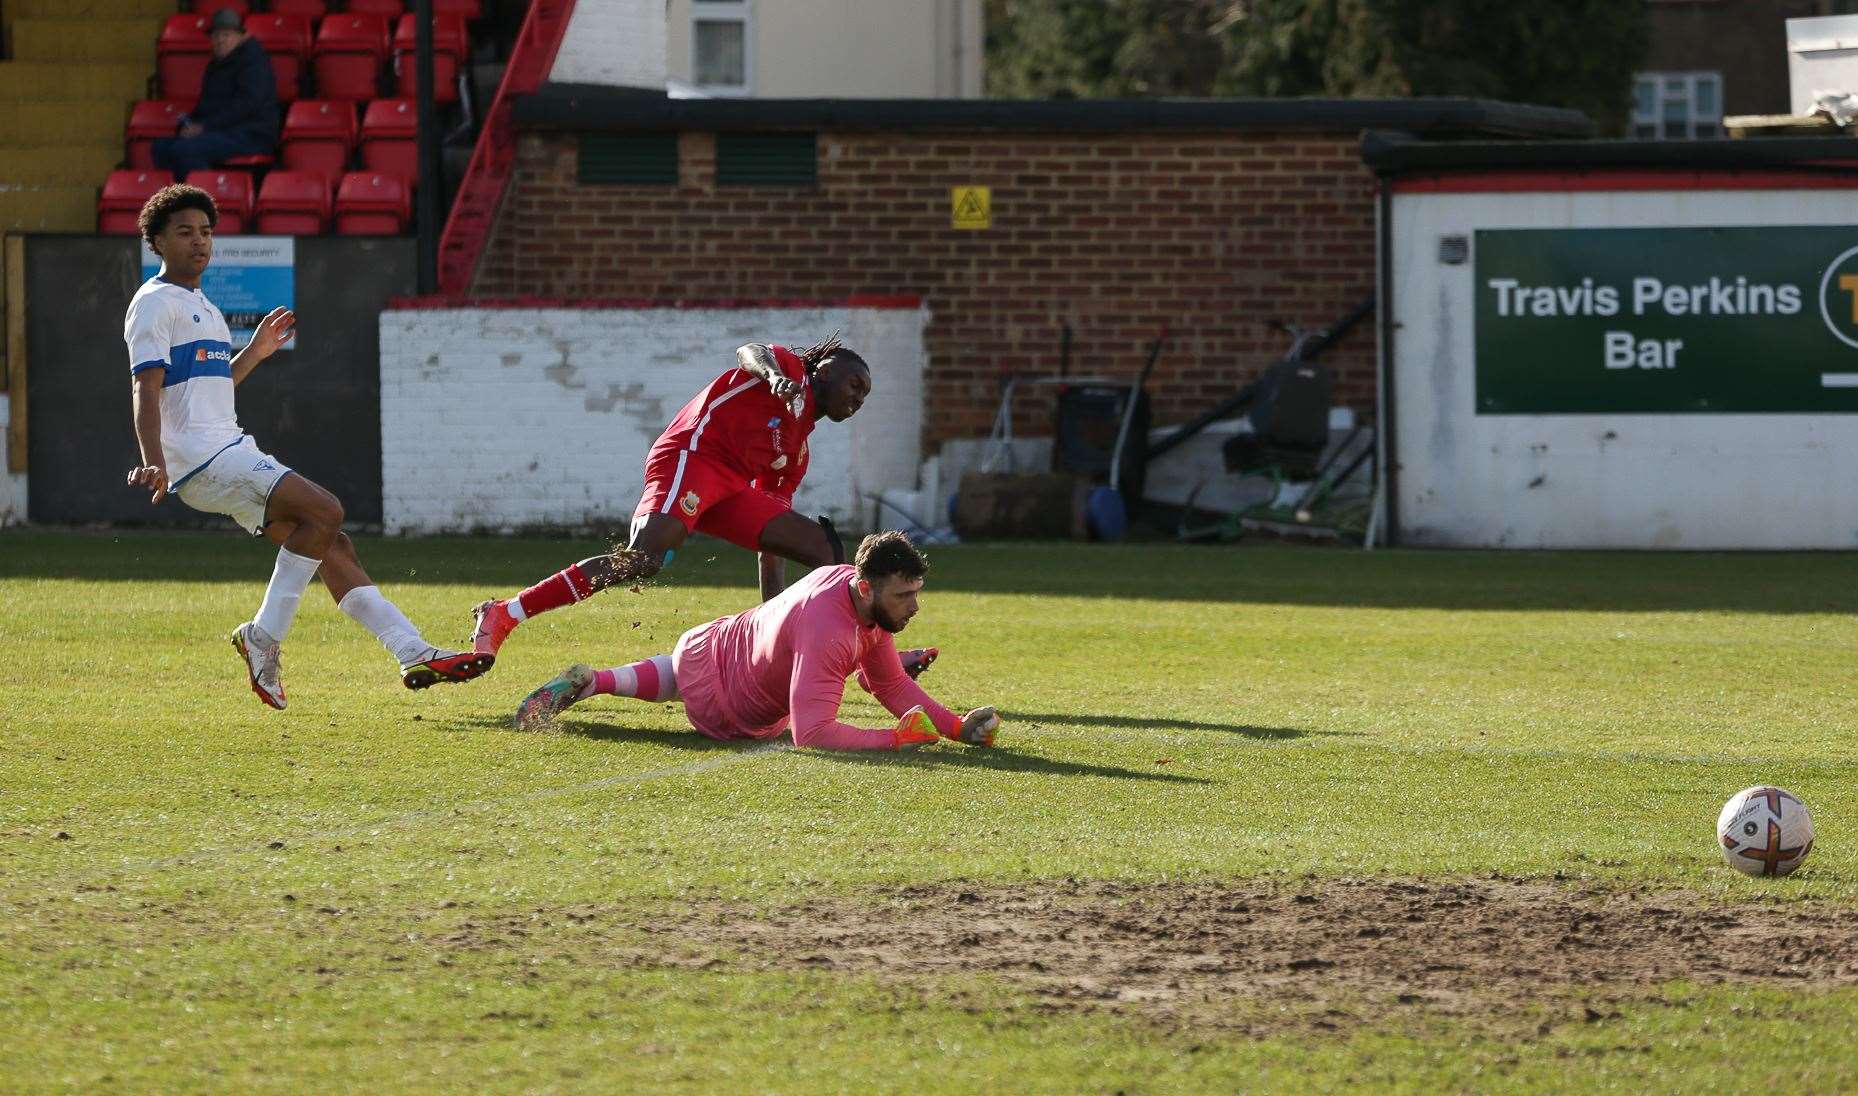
(885, 621)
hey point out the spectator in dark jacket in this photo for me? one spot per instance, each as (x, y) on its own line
(237, 112)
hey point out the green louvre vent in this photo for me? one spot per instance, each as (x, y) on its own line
(629, 159)
(767, 159)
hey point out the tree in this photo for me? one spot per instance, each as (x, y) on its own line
(1572, 53)
(1105, 48)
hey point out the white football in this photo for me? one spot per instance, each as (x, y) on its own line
(1764, 831)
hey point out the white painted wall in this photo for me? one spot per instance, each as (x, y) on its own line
(12, 484)
(501, 419)
(614, 42)
(849, 49)
(1598, 480)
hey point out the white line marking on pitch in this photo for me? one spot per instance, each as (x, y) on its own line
(1838, 380)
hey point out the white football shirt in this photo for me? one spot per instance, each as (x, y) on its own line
(179, 330)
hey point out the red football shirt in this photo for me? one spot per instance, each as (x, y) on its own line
(738, 423)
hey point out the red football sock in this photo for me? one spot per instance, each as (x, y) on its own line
(564, 587)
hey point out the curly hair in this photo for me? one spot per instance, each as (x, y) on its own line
(169, 200)
(881, 555)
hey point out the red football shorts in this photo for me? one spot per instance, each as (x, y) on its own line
(707, 498)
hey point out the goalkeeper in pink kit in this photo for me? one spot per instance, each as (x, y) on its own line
(783, 664)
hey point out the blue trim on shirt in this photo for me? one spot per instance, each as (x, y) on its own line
(197, 359)
(201, 467)
(134, 369)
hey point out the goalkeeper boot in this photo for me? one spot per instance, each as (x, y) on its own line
(914, 730)
(918, 660)
(436, 665)
(554, 697)
(491, 624)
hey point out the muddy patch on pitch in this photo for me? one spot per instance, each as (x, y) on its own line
(1312, 953)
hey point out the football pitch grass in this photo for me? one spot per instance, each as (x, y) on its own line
(1262, 747)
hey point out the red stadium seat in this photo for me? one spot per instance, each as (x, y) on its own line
(208, 7)
(306, 9)
(181, 56)
(293, 203)
(464, 9)
(347, 55)
(448, 53)
(259, 160)
(286, 38)
(390, 138)
(386, 9)
(319, 137)
(369, 204)
(232, 193)
(124, 194)
(149, 121)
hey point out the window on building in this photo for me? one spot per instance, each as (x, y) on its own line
(720, 61)
(767, 159)
(629, 159)
(1677, 106)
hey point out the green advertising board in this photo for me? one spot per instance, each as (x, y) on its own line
(1667, 320)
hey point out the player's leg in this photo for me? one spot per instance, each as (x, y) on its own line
(650, 679)
(299, 508)
(803, 540)
(302, 519)
(422, 664)
(654, 537)
(679, 488)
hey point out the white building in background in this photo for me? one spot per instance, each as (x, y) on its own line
(828, 49)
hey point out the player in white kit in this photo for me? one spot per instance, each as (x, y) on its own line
(184, 370)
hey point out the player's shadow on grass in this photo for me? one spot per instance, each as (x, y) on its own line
(1001, 759)
(1151, 723)
(589, 724)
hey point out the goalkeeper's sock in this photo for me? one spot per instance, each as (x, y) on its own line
(650, 679)
(564, 587)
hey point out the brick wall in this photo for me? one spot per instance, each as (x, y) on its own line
(498, 419)
(1117, 233)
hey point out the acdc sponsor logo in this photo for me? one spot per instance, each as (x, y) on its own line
(1838, 297)
(202, 354)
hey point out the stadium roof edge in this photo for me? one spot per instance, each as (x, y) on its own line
(1396, 153)
(587, 107)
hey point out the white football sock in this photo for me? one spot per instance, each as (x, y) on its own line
(288, 579)
(366, 606)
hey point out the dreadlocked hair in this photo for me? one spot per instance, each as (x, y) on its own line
(820, 351)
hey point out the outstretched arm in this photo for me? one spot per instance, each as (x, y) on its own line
(815, 691)
(882, 676)
(758, 358)
(276, 329)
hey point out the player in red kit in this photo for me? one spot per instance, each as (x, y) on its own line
(727, 466)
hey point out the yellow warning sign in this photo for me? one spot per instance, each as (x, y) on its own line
(971, 207)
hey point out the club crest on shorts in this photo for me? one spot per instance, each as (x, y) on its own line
(689, 503)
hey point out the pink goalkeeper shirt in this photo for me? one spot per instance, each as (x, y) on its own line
(785, 662)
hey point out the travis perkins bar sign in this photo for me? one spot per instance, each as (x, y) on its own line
(1667, 320)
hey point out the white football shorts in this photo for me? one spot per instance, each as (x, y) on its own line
(237, 483)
